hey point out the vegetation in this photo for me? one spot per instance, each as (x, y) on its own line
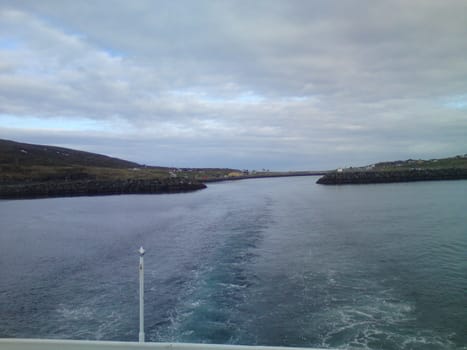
(28, 171)
(24, 155)
(26, 163)
(454, 168)
(31, 171)
(444, 163)
(20, 163)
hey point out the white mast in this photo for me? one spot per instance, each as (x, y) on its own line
(141, 295)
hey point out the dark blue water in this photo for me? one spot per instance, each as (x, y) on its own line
(267, 261)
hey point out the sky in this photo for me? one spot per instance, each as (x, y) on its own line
(281, 85)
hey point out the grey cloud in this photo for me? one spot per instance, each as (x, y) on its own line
(295, 79)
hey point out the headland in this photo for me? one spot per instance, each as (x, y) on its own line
(454, 168)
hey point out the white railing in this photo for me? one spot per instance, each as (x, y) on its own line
(49, 344)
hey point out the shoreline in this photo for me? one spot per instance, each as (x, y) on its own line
(246, 177)
(91, 188)
(392, 176)
(56, 189)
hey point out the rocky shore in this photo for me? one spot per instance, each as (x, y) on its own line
(373, 177)
(95, 188)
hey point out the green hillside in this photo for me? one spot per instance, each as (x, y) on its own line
(28, 163)
(452, 168)
(410, 164)
(24, 154)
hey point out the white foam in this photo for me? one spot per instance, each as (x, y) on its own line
(75, 314)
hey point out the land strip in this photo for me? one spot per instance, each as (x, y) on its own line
(454, 168)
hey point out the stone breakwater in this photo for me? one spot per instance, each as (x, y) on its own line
(95, 188)
(372, 177)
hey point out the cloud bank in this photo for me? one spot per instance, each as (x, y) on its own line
(264, 84)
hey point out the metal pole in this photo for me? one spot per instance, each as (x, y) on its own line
(141, 295)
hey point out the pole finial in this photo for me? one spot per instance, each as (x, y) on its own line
(141, 251)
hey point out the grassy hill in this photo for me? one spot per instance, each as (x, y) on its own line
(24, 154)
(22, 162)
(28, 163)
(410, 164)
(32, 171)
(35, 171)
(452, 168)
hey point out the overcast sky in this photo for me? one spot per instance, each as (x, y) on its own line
(244, 84)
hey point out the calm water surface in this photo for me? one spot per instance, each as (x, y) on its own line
(267, 261)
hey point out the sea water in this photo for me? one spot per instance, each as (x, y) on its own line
(279, 261)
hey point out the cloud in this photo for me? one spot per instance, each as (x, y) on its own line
(301, 84)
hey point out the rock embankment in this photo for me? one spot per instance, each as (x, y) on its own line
(95, 188)
(373, 177)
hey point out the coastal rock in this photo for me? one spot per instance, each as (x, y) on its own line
(95, 188)
(372, 177)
